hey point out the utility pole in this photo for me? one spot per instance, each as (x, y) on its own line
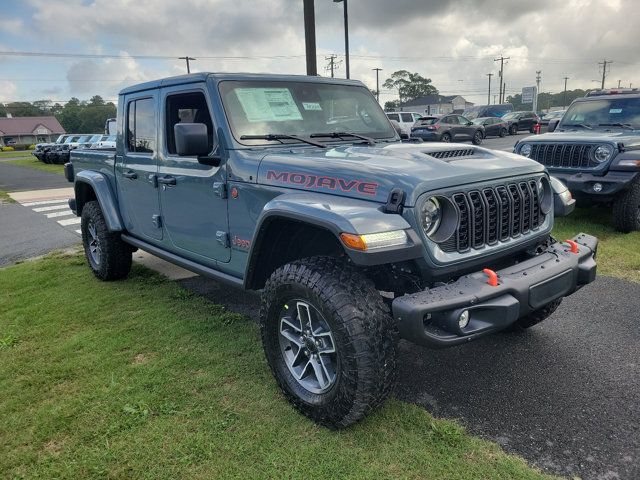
(535, 99)
(504, 93)
(333, 65)
(489, 93)
(310, 36)
(564, 96)
(604, 64)
(377, 70)
(346, 34)
(501, 74)
(187, 60)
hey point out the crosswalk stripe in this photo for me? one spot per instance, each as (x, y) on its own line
(48, 209)
(69, 221)
(43, 202)
(59, 214)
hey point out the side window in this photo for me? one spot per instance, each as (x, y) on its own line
(186, 108)
(393, 116)
(141, 126)
(462, 120)
(416, 117)
(407, 117)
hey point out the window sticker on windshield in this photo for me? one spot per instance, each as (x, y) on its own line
(268, 104)
(615, 110)
(311, 106)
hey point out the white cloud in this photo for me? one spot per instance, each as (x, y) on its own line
(7, 90)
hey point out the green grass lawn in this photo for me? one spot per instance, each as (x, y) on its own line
(15, 154)
(33, 162)
(5, 198)
(142, 379)
(618, 253)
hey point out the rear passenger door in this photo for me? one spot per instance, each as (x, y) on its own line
(137, 166)
(192, 195)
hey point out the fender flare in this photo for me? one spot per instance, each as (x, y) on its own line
(336, 215)
(99, 183)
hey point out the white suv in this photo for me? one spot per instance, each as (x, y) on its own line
(405, 119)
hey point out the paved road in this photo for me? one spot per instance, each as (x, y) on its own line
(505, 143)
(14, 178)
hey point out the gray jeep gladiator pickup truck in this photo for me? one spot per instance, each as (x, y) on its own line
(595, 151)
(301, 188)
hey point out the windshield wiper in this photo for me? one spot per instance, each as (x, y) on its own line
(582, 125)
(617, 124)
(339, 135)
(282, 136)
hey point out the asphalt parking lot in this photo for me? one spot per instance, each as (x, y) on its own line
(564, 395)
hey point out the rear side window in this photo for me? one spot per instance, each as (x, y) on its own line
(141, 126)
(407, 117)
(393, 116)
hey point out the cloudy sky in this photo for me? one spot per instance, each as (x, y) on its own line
(451, 42)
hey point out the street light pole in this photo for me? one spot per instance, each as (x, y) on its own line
(489, 93)
(346, 35)
(564, 96)
(310, 36)
(377, 83)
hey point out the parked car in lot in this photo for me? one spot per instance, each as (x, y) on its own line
(493, 126)
(40, 152)
(593, 150)
(555, 115)
(404, 119)
(321, 215)
(105, 143)
(479, 111)
(523, 120)
(448, 128)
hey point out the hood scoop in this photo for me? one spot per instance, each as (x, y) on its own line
(453, 153)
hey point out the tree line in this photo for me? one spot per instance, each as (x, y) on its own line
(547, 100)
(75, 116)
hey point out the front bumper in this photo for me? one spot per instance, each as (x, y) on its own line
(581, 184)
(430, 317)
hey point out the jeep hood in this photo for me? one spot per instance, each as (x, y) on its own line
(370, 173)
(626, 137)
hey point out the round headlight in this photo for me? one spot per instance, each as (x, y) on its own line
(603, 153)
(525, 150)
(430, 215)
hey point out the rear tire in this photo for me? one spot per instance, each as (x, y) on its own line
(477, 138)
(534, 317)
(503, 132)
(513, 129)
(446, 137)
(108, 256)
(626, 209)
(347, 315)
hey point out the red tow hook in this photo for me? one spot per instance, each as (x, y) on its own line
(493, 277)
(573, 245)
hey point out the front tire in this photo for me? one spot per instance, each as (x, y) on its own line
(108, 256)
(503, 132)
(328, 338)
(446, 137)
(477, 138)
(626, 209)
(513, 129)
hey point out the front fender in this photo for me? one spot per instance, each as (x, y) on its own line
(339, 215)
(99, 183)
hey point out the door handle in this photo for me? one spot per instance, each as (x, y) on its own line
(167, 180)
(130, 174)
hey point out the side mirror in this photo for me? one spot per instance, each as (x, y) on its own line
(192, 139)
(553, 124)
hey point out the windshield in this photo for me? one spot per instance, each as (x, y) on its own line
(302, 109)
(604, 112)
(427, 120)
(509, 116)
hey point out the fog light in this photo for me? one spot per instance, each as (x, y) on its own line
(597, 187)
(463, 320)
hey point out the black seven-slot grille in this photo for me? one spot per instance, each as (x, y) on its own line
(563, 155)
(494, 214)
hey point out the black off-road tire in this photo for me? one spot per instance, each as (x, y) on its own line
(115, 255)
(477, 138)
(626, 209)
(363, 332)
(446, 137)
(534, 317)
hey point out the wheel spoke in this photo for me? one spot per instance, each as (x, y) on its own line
(327, 367)
(319, 372)
(292, 337)
(303, 315)
(289, 321)
(327, 342)
(302, 372)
